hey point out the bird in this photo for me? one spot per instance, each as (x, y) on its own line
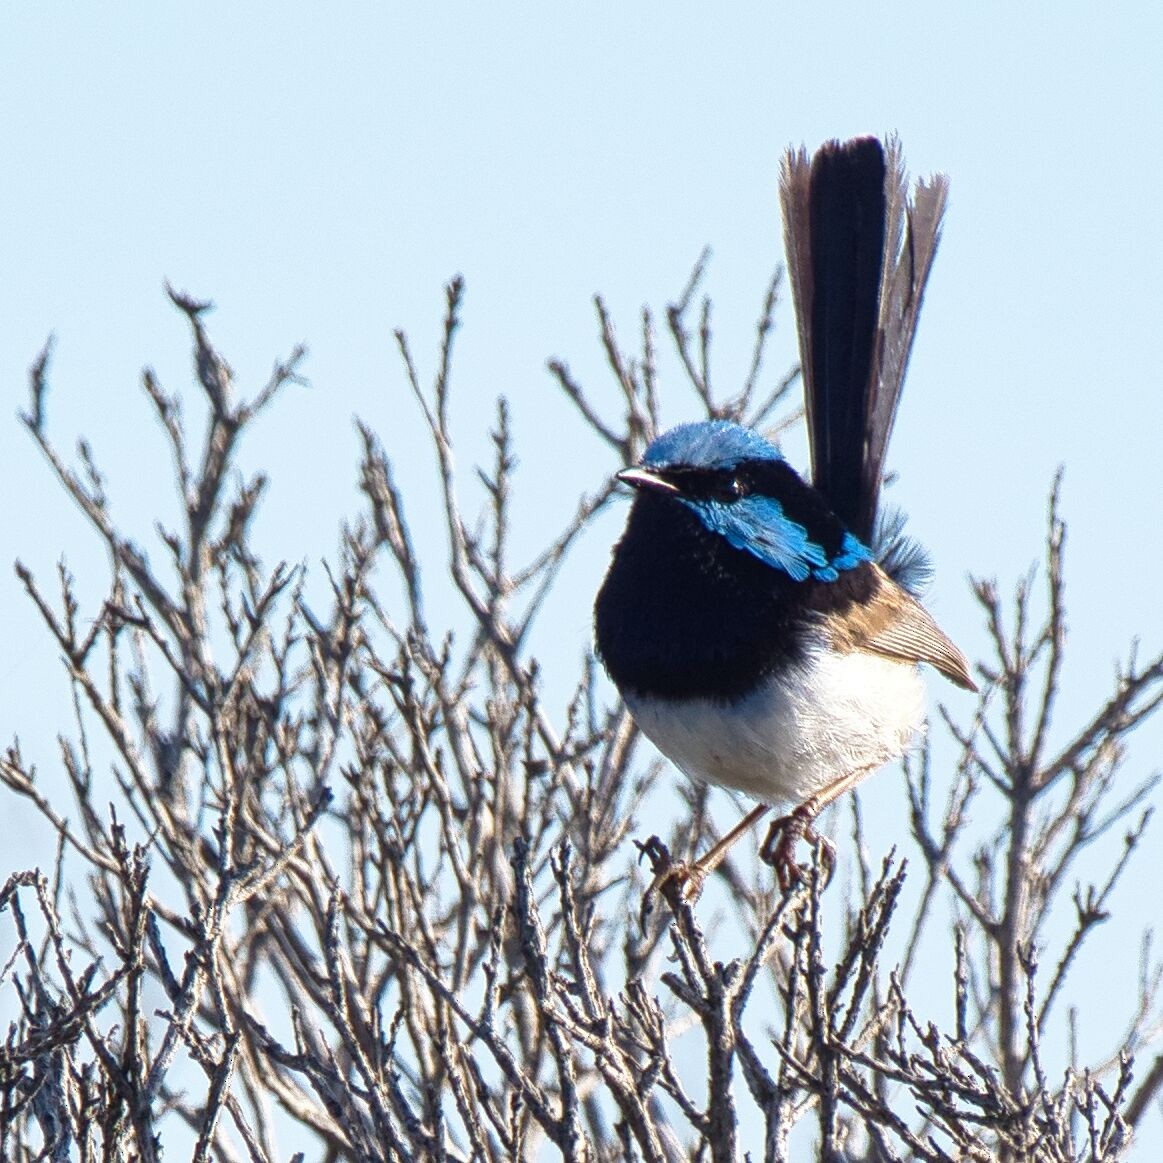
(765, 631)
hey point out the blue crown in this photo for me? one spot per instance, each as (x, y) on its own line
(709, 444)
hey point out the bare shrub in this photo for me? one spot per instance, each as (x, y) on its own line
(360, 893)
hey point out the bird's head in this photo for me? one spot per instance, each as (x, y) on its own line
(707, 460)
(740, 488)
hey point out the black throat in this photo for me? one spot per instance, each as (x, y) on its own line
(683, 614)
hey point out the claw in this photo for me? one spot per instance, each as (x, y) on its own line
(676, 881)
(779, 848)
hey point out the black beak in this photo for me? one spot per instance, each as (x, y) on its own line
(646, 478)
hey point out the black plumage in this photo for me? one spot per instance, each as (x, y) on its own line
(683, 614)
(847, 239)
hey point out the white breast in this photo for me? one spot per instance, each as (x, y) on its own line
(836, 715)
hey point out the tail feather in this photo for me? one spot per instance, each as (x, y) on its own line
(859, 254)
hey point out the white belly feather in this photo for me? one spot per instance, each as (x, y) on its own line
(837, 714)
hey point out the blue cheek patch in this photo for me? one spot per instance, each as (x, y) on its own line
(757, 525)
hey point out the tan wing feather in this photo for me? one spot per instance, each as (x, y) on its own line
(895, 624)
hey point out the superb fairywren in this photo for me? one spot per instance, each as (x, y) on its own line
(760, 628)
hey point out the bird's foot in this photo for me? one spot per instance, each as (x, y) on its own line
(676, 881)
(779, 849)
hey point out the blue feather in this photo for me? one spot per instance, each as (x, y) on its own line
(902, 557)
(708, 444)
(759, 526)
(756, 524)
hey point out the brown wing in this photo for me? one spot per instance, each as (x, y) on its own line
(895, 624)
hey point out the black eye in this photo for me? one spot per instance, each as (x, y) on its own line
(728, 488)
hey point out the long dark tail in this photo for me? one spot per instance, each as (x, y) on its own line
(859, 254)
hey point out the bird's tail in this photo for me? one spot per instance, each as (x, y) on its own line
(859, 253)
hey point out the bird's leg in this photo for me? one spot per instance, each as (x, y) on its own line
(717, 853)
(679, 881)
(779, 849)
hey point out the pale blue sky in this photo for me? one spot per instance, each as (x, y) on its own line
(320, 171)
